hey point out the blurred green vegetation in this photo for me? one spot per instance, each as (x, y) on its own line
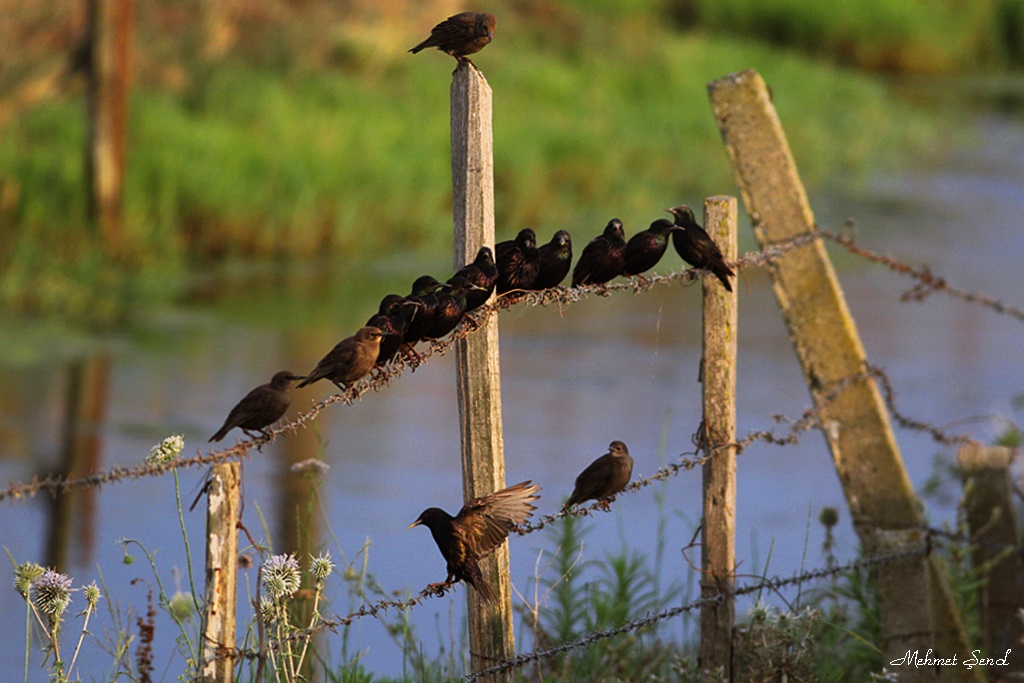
(313, 132)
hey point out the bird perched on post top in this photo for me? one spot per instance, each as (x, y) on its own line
(645, 249)
(604, 477)
(261, 407)
(478, 530)
(603, 257)
(483, 273)
(696, 247)
(555, 261)
(518, 262)
(461, 34)
(350, 360)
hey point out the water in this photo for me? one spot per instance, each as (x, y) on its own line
(573, 379)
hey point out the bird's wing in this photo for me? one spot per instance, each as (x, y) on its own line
(483, 523)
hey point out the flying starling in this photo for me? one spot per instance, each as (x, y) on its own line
(645, 249)
(392, 319)
(462, 34)
(483, 273)
(480, 527)
(260, 408)
(555, 261)
(518, 262)
(602, 258)
(604, 477)
(451, 306)
(350, 360)
(696, 247)
(424, 293)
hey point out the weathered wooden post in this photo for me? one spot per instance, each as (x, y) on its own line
(904, 600)
(479, 385)
(110, 40)
(855, 422)
(222, 508)
(718, 532)
(992, 519)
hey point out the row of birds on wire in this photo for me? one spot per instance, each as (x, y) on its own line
(433, 309)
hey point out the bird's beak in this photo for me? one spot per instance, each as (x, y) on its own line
(473, 285)
(416, 523)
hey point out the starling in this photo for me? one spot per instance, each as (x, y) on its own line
(604, 477)
(350, 360)
(424, 293)
(480, 527)
(645, 249)
(696, 247)
(518, 262)
(392, 319)
(602, 258)
(555, 261)
(483, 273)
(451, 306)
(261, 407)
(462, 34)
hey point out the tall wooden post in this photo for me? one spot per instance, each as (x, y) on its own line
(479, 385)
(221, 572)
(718, 532)
(110, 49)
(855, 422)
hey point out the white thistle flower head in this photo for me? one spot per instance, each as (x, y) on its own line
(281, 576)
(92, 594)
(266, 611)
(321, 566)
(167, 450)
(313, 467)
(24, 576)
(53, 593)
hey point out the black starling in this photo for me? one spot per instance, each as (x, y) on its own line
(518, 262)
(462, 34)
(424, 293)
(555, 261)
(645, 249)
(603, 257)
(604, 477)
(483, 273)
(392, 319)
(480, 527)
(350, 360)
(696, 247)
(451, 306)
(261, 407)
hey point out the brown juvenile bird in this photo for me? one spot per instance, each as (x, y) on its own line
(480, 527)
(462, 34)
(350, 360)
(604, 477)
(696, 247)
(260, 408)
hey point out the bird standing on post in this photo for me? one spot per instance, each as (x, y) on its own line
(518, 262)
(555, 261)
(478, 530)
(645, 249)
(461, 34)
(350, 360)
(603, 257)
(604, 477)
(261, 407)
(696, 247)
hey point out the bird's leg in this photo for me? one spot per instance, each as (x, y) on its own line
(414, 358)
(471, 322)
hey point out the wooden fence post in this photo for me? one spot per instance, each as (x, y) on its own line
(718, 531)
(222, 508)
(992, 518)
(904, 598)
(854, 421)
(110, 41)
(491, 637)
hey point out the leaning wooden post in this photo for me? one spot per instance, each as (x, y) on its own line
(479, 384)
(992, 519)
(904, 597)
(221, 572)
(718, 532)
(110, 40)
(853, 415)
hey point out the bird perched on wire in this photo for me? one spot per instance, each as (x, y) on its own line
(461, 34)
(518, 262)
(424, 294)
(696, 247)
(451, 306)
(555, 261)
(604, 477)
(603, 257)
(350, 360)
(478, 530)
(261, 407)
(392, 319)
(645, 249)
(483, 273)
